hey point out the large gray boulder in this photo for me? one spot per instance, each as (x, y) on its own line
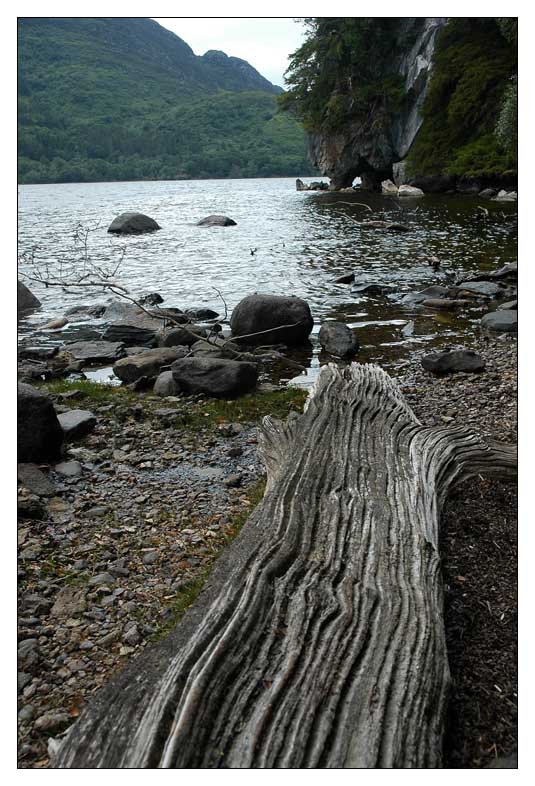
(132, 224)
(216, 377)
(39, 433)
(134, 326)
(216, 221)
(482, 288)
(146, 364)
(277, 320)
(501, 321)
(337, 339)
(76, 423)
(453, 360)
(26, 300)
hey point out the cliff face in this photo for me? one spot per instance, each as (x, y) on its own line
(363, 149)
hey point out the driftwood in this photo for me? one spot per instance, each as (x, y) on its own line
(319, 639)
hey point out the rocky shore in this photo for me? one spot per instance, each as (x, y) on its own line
(116, 542)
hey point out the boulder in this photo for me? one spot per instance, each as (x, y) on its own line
(505, 321)
(216, 221)
(216, 377)
(56, 324)
(131, 335)
(278, 320)
(77, 313)
(37, 353)
(505, 196)
(337, 339)
(26, 300)
(165, 385)
(178, 336)
(217, 346)
(487, 193)
(453, 360)
(132, 224)
(39, 433)
(406, 190)
(76, 423)
(509, 271)
(388, 187)
(96, 351)
(146, 364)
(372, 289)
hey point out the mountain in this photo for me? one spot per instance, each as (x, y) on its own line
(124, 98)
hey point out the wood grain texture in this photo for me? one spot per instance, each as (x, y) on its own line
(319, 639)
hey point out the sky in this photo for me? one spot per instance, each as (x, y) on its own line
(265, 43)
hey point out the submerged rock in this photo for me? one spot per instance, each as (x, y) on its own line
(337, 339)
(216, 377)
(39, 433)
(132, 224)
(26, 300)
(276, 320)
(216, 221)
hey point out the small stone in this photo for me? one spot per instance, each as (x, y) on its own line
(233, 480)
(101, 579)
(150, 558)
(27, 713)
(69, 469)
(52, 721)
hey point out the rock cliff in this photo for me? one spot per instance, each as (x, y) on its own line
(363, 150)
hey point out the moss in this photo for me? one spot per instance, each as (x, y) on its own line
(473, 66)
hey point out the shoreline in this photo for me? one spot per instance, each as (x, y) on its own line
(130, 541)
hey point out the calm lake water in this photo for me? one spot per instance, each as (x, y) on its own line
(302, 242)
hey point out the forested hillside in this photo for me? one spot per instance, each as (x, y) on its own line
(120, 99)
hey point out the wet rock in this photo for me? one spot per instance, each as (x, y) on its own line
(152, 299)
(337, 339)
(35, 480)
(409, 191)
(214, 376)
(454, 360)
(391, 226)
(82, 312)
(96, 351)
(425, 294)
(76, 423)
(147, 364)
(503, 321)
(347, 279)
(372, 289)
(216, 221)
(132, 224)
(69, 469)
(276, 319)
(38, 353)
(56, 324)
(178, 336)
(488, 193)
(26, 300)
(201, 313)
(165, 385)
(483, 288)
(446, 304)
(39, 432)
(509, 271)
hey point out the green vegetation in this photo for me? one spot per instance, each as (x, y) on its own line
(469, 113)
(188, 594)
(339, 74)
(125, 99)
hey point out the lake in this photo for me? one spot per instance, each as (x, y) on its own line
(285, 242)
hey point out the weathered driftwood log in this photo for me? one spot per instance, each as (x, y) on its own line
(319, 639)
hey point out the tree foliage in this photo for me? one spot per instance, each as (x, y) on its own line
(343, 71)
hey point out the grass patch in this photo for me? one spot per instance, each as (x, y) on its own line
(90, 391)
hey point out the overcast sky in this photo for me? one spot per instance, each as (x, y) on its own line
(264, 43)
